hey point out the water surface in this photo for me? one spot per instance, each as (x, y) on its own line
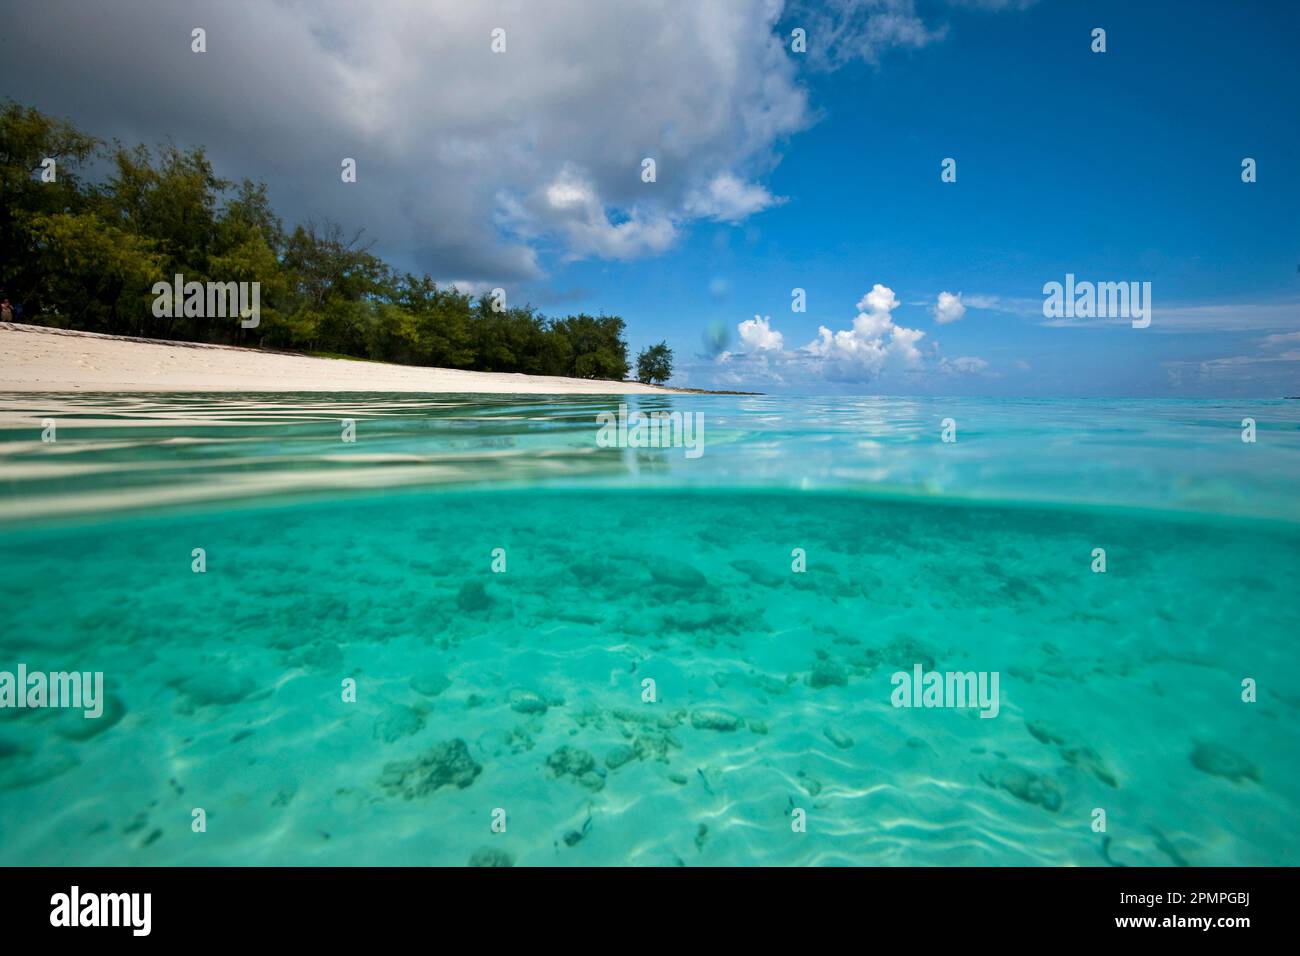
(523, 691)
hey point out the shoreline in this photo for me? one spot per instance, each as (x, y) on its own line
(36, 358)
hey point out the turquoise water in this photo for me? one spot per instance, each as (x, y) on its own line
(522, 691)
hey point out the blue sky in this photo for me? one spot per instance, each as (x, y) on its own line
(521, 169)
(1117, 166)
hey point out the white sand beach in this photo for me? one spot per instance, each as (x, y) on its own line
(38, 359)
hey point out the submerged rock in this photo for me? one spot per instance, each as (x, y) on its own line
(1075, 754)
(1219, 761)
(906, 651)
(1045, 733)
(827, 673)
(1025, 784)
(519, 740)
(811, 785)
(654, 744)
(473, 596)
(490, 856)
(714, 718)
(838, 737)
(430, 685)
(445, 764)
(527, 702)
(619, 756)
(570, 761)
(678, 575)
(701, 836)
(400, 722)
(1085, 758)
(758, 573)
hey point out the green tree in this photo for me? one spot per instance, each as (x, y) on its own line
(87, 255)
(654, 365)
(27, 139)
(331, 278)
(98, 272)
(170, 201)
(596, 344)
(441, 318)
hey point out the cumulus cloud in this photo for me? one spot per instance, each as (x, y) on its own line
(949, 308)
(570, 207)
(727, 199)
(873, 345)
(470, 163)
(757, 335)
(861, 351)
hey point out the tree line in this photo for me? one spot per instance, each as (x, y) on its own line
(84, 252)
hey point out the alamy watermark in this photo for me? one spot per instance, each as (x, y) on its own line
(74, 908)
(76, 689)
(946, 689)
(1099, 300)
(639, 429)
(208, 300)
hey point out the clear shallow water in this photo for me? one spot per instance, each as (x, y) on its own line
(373, 561)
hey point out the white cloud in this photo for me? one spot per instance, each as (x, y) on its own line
(1272, 367)
(841, 31)
(966, 365)
(862, 351)
(757, 335)
(568, 207)
(873, 345)
(568, 193)
(878, 303)
(949, 308)
(470, 163)
(1281, 338)
(727, 199)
